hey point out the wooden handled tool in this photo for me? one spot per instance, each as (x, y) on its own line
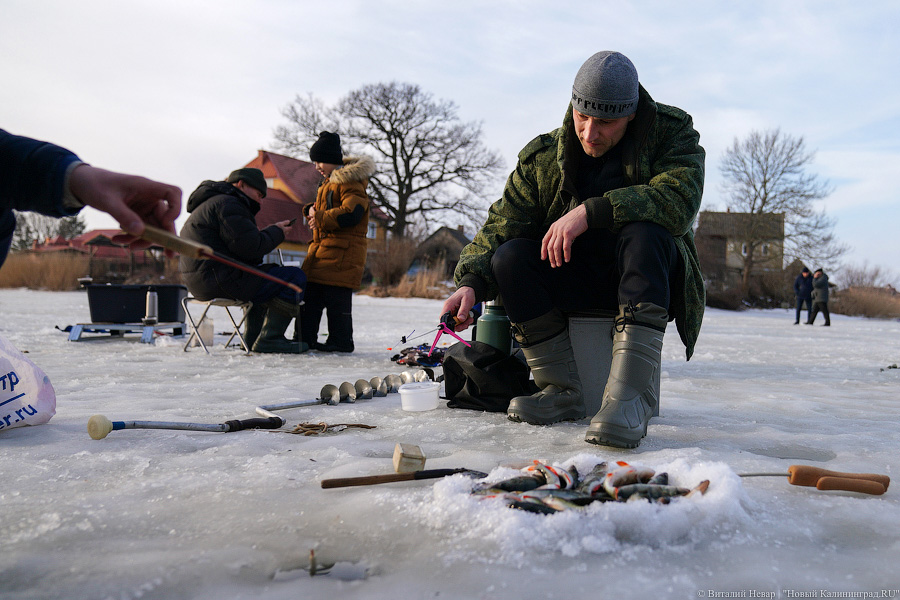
(172, 242)
(193, 249)
(822, 479)
(392, 477)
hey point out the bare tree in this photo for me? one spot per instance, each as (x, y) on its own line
(865, 276)
(431, 167)
(34, 227)
(766, 174)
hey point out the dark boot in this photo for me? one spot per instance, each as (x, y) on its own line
(253, 324)
(340, 333)
(548, 351)
(631, 397)
(279, 314)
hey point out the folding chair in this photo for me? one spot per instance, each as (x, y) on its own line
(227, 304)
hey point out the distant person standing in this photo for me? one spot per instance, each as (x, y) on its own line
(336, 258)
(803, 287)
(820, 297)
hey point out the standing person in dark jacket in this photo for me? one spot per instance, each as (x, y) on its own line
(42, 177)
(803, 287)
(820, 297)
(598, 214)
(336, 258)
(222, 217)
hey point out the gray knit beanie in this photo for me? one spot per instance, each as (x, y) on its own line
(606, 86)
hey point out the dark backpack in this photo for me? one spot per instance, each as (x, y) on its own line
(484, 378)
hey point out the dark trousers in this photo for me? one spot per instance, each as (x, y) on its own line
(816, 307)
(800, 302)
(338, 302)
(606, 270)
(270, 289)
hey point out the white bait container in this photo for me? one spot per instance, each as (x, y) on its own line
(419, 395)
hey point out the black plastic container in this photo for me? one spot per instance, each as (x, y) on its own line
(127, 303)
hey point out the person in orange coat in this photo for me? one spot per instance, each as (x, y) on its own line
(336, 258)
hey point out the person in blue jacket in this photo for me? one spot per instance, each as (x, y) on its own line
(48, 179)
(803, 287)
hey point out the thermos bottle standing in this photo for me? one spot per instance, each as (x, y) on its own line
(151, 312)
(493, 327)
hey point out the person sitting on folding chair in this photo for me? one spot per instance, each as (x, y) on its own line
(222, 217)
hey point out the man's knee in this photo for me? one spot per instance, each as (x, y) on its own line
(641, 234)
(642, 245)
(512, 256)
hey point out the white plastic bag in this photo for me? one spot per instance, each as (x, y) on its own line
(26, 394)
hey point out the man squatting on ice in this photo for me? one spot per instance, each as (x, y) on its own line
(597, 214)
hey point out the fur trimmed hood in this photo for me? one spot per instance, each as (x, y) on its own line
(356, 168)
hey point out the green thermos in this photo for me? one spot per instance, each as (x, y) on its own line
(493, 326)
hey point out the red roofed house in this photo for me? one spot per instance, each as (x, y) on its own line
(293, 183)
(109, 262)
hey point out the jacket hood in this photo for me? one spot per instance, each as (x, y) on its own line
(356, 168)
(211, 189)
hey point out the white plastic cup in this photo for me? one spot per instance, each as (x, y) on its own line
(419, 396)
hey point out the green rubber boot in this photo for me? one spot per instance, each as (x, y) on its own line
(271, 337)
(253, 324)
(548, 351)
(631, 396)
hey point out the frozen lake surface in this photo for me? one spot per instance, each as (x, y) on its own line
(163, 514)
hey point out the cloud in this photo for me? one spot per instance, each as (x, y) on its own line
(186, 90)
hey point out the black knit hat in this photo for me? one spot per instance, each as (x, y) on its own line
(327, 149)
(252, 177)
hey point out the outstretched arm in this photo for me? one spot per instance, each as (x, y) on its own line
(130, 199)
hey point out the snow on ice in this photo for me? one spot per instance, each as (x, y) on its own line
(179, 514)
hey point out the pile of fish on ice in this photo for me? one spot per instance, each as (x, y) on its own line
(547, 489)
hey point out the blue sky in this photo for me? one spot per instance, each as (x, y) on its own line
(187, 90)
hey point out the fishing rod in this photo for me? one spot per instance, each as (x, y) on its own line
(822, 479)
(199, 251)
(447, 324)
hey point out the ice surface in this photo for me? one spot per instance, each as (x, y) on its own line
(155, 514)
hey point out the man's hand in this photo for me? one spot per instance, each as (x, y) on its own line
(557, 243)
(459, 304)
(284, 226)
(132, 200)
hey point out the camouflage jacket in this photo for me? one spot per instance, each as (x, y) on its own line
(664, 169)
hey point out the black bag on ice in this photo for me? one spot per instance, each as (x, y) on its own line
(484, 378)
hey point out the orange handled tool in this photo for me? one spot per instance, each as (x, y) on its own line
(822, 479)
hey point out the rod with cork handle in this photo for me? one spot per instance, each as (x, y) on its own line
(193, 249)
(822, 479)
